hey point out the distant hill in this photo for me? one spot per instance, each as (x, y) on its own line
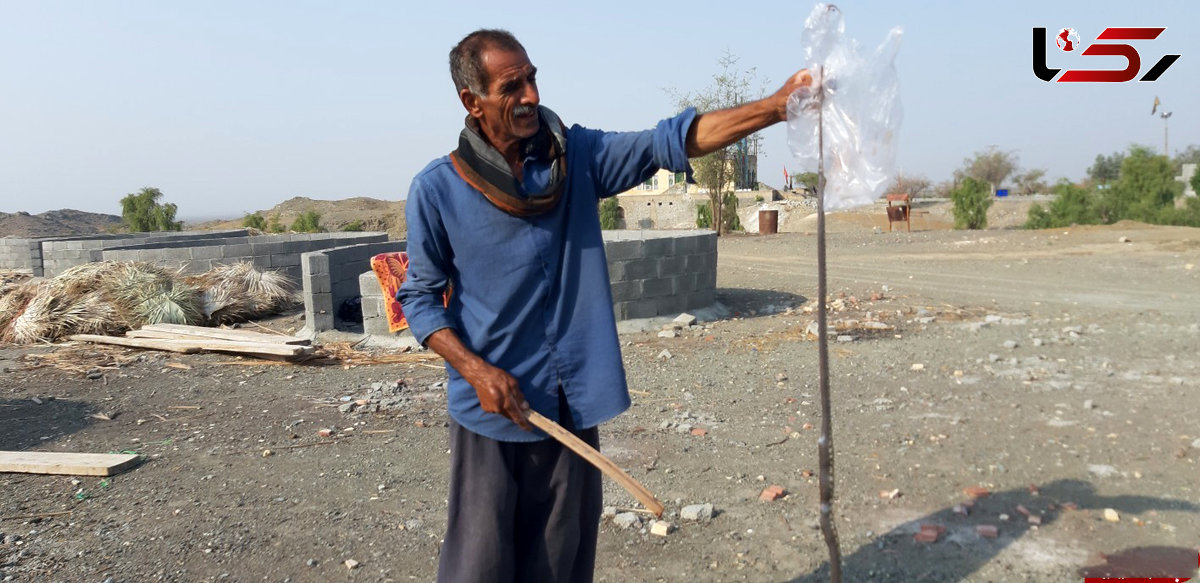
(375, 214)
(59, 223)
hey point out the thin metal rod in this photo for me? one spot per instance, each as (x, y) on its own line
(825, 443)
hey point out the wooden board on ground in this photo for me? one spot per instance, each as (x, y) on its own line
(188, 346)
(226, 334)
(73, 464)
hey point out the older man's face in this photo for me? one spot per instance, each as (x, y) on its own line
(508, 113)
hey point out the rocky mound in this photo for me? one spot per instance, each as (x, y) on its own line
(59, 223)
(372, 213)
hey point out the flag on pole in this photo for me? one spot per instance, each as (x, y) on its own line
(1156, 104)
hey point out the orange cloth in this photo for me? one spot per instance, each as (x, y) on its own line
(390, 269)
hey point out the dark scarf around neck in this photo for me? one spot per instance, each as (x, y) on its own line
(482, 166)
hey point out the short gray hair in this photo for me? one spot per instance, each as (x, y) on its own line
(466, 58)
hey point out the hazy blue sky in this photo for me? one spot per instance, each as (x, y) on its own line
(231, 107)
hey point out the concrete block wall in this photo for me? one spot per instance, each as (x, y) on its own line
(275, 252)
(660, 273)
(331, 276)
(61, 253)
(21, 254)
(652, 273)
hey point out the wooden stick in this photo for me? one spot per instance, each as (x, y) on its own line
(192, 346)
(825, 443)
(598, 459)
(225, 334)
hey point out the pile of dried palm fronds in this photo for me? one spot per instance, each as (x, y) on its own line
(109, 298)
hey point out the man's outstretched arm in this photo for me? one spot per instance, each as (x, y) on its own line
(716, 129)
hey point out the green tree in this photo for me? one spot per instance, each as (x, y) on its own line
(730, 217)
(808, 180)
(1145, 191)
(308, 222)
(610, 214)
(715, 171)
(992, 166)
(1073, 205)
(1106, 169)
(971, 199)
(254, 220)
(704, 216)
(143, 212)
(276, 224)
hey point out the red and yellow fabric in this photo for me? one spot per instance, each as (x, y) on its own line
(390, 270)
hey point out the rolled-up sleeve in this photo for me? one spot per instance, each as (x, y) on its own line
(622, 160)
(429, 257)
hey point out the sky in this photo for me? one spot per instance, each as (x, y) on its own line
(231, 107)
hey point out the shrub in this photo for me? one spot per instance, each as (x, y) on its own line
(255, 221)
(610, 218)
(1073, 205)
(971, 200)
(308, 222)
(355, 225)
(704, 219)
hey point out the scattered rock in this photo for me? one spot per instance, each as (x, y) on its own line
(889, 494)
(1111, 515)
(661, 528)
(846, 338)
(665, 355)
(772, 493)
(312, 563)
(672, 333)
(918, 366)
(608, 512)
(1102, 470)
(1089, 404)
(1010, 344)
(780, 377)
(1124, 240)
(929, 533)
(267, 453)
(697, 512)
(987, 531)
(685, 319)
(351, 564)
(699, 431)
(627, 520)
(324, 432)
(977, 492)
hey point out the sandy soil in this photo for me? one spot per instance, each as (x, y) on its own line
(1057, 369)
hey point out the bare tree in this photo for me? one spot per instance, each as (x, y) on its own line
(913, 186)
(992, 166)
(1030, 181)
(716, 171)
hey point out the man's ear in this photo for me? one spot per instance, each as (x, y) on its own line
(470, 102)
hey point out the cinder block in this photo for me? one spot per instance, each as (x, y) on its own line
(707, 243)
(672, 265)
(687, 245)
(659, 246)
(322, 303)
(368, 285)
(207, 252)
(626, 291)
(684, 283)
(619, 311)
(706, 280)
(318, 285)
(645, 268)
(315, 264)
(285, 260)
(672, 304)
(652, 288)
(699, 263)
(641, 309)
(198, 265)
(237, 251)
(376, 326)
(623, 250)
(262, 262)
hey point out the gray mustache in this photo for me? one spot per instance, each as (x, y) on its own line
(524, 110)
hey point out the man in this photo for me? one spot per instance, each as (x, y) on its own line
(509, 222)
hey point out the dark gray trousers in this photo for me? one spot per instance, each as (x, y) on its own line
(521, 512)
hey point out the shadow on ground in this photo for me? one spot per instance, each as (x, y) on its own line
(961, 551)
(25, 423)
(745, 303)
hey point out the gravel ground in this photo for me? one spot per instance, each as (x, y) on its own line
(1056, 370)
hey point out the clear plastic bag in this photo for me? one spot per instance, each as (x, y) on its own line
(862, 111)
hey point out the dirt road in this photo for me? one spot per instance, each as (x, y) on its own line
(1055, 369)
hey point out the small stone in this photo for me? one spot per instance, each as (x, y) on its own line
(780, 377)
(961, 509)
(413, 524)
(324, 432)
(993, 358)
(311, 562)
(1111, 515)
(660, 528)
(1010, 344)
(1123, 240)
(698, 512)
(772, 493)
(627, 520)
(672, 333)
(685, 319)
(351, 564)
(665, 355)
(1196, 444)
(1034, 519)
(346, 407)
(1102, 470)
(846, 338)
(608, 512)
(36, 401)
(918, 366)
(1038, 342)
(267, 453)
(1089, 404)
(683, 428)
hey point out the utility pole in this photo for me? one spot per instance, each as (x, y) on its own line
(1165, 116)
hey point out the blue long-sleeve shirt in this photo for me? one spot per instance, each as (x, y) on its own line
(531, 294)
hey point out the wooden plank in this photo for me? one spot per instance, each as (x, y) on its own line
(598, 459)
(198, 344)
(69, 463)
(224, 334)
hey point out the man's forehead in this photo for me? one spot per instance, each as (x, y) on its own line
(503, 63)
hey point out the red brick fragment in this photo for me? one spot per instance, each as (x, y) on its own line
(977, 491)
(324, 432)
(806, 473)
(1070, 506)
(987, 531)
(699, 431)
(772, 493)
(929, 533)
(1022, 509)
